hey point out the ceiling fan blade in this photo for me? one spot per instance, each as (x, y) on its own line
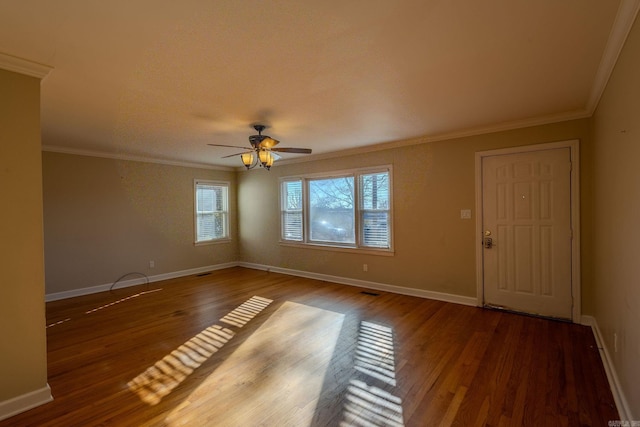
(236, 154)
(292, 150)
(230, 146)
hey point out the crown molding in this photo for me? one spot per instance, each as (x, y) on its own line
(480, 130)
(519, 124)
(24, 66)
(513, 125)
(626, 16)
(132, 158)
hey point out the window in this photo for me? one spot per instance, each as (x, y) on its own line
(350, 209)
(374, 209)
(292, 210)
(211, 211)
(331, 210)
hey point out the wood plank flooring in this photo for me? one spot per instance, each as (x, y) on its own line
(241, 347)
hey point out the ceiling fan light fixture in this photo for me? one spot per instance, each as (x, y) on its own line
(266, 159)
(268, 142)
(247, 159)
(263, 151)
(270, 161)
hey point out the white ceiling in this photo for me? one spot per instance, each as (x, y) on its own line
(160, 79)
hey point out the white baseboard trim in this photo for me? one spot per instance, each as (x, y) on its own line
(22, 403)
(439, 296)
(136, 281)
(624, 410)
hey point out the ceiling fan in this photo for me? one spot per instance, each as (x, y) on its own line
(263, 150)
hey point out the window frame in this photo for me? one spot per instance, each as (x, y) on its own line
(307, 237)
(361, 211)
(358, 246)
(284, 210)
(225, 185)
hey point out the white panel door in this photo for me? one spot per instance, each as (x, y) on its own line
(526, 224)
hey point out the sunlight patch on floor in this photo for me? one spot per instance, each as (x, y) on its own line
(111, 304)
(246, 311)
(121, 300)
(58, 323)
(368, 402)
(166, 374)
(275, 377)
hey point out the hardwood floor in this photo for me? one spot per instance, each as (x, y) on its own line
(241, 347)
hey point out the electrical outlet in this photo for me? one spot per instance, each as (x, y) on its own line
(365, 267)
(465, 213)
(152, 264)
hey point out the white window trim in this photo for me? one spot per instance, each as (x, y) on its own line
(356, 247)
(283, 203)
(224, 239)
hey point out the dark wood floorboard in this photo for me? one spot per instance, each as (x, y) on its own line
(199, 351)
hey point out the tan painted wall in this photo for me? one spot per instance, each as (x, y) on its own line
(432, 182)
(105, 218)
(616, 219)
(23, 364)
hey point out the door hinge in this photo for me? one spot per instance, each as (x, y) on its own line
(570, 166)
(570, 234)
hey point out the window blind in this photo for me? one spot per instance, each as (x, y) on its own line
(211, 211)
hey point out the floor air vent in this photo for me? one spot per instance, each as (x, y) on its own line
(373, 294)
(203, 274)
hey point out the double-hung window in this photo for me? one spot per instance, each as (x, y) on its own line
(291, 217)
(211, 211)
(350, 209)
(375, 209)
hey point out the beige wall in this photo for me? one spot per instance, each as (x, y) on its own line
(432, 182)
(105, 218)
(23, 364)
(616, 229)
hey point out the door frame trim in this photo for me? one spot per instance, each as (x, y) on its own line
(574, 148)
